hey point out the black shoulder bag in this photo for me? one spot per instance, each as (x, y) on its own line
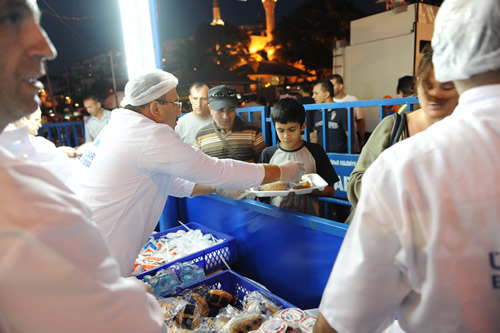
(397, 128)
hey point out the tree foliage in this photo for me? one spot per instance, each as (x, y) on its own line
(309, 32)
(225, 46)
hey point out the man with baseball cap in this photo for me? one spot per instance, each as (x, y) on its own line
(138, 160)
(424, 242)
(228, 136)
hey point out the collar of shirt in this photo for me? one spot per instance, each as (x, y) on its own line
(237, 126)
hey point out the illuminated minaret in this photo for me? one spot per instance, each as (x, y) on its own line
(269, 8)
(216, 10)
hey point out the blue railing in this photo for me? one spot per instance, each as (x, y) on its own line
(64, 134)
(343, 163)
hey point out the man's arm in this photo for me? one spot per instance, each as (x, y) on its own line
(287, 172)
(314, 136)
(322, 326)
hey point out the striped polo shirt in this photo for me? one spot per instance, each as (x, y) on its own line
(245, 139)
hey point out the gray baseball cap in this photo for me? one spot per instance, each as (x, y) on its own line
(222, 96)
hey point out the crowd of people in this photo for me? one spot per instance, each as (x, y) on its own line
(423, 242)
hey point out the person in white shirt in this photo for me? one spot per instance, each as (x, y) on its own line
(424, 243)
(339, 96)
(189, 124)
(138, 161)
(98, 119)
(57, 273)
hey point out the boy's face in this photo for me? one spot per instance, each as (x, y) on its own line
(289, 134)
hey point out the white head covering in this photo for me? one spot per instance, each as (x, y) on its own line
(145, 88)
(466, 39)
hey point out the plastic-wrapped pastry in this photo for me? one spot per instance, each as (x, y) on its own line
(256, 301)
(244, 323)
(219, 298)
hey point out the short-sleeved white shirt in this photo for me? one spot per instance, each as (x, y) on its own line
(94, 125)
(133, 166)
(188, 125)
(358, 113)
(425, 240)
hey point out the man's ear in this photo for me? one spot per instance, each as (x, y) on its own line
(303, 127)
(152, 111)
(154, 107)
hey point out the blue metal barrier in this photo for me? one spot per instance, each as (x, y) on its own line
(344, 163)
(290, 253)
(64, 134)
(264, 120)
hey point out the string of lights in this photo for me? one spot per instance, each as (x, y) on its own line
(76, 33)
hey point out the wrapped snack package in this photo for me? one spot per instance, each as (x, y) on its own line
(292, 317)
(172, 246)
(256, 301)
(274, 325)
(170, 307)
(165, 281)
(307, 324)
(245, 322)
(225, 315)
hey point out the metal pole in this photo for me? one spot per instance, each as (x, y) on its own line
(113, 76)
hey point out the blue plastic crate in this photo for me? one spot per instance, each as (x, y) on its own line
(238, 286)
(209, 259)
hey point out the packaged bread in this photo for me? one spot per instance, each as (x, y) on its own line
(244, 323)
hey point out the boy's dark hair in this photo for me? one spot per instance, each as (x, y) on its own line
(288, 110)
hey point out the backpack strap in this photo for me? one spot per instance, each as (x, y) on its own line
(397, 128)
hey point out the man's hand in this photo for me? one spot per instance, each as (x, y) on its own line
(69, 151)
(291, 171)
(322, 326)
(147, 288)
(235, 194)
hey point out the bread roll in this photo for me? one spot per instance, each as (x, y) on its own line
(276, 186)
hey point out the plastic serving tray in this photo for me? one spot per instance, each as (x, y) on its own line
(317, 182)
(237, 285)
(210, 259)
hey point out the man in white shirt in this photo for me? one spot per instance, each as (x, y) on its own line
(57, 273)
(339, 96)
(138, 161)
(99, 117)
(189, 124)
(424, 242)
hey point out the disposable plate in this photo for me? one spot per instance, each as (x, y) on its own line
(316, 183)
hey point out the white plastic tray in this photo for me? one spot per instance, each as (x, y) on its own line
(316, 183)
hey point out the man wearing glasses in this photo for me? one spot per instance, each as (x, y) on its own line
(138, 161)
(228, 136)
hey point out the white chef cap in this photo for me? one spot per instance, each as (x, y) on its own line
(466, 39)
(145, 88)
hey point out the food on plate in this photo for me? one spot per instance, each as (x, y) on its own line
(302, 185)
(276, 186)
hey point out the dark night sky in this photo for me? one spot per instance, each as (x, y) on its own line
(93, 26)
